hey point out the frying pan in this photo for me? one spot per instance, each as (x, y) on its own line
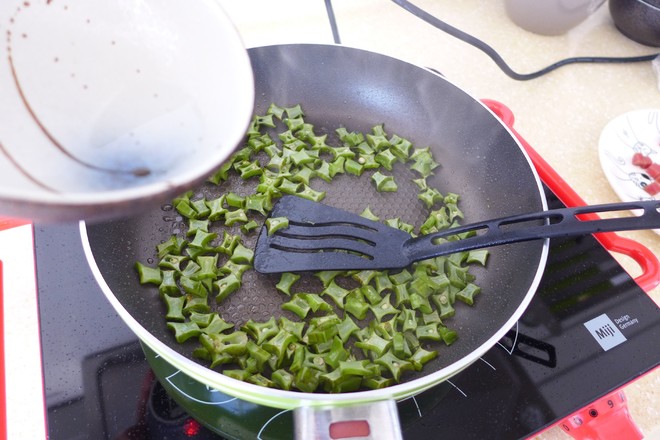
(341, 86)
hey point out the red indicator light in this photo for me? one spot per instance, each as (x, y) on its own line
(191, 427)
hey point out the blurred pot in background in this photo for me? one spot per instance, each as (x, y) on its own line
(550, 17)
(639, 20)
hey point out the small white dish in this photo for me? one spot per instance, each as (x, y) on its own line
(107, 107)
(624, 136)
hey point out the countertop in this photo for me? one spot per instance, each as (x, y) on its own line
(560, 114)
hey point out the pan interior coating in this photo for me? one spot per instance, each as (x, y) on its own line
(339, 86)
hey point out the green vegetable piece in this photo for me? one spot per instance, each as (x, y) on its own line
(261, 380)
(378, 139)
(401, 295)
(201, 319)
(288, 187)
(261, 331)
(237, 374)
(368, 214)
(200, 207)
(324, 172)
(430, 196)
(401, 277)
(295, 328)
(408, 319)
(421, 357)
(336, 292)
(315, 302)
(377, 382)
(354, 167)
(242, 255)
(320, 334)
(304, 175)
(384, 183)
(394, 365)
(174, 305)
(468, 293)
(226, 285)
(383, 309)
(346, 328)
(229, 243)
(172, 262)
(258, 354)
(326, 276)
(193, 287)
(148, 275)
(183, 207)
(448, 335)
(364, 277)
(479, 256)
(356, 305)
(196, 304)
(356, 368)
(337, 166)
(371, 294)
(400, 346)
(279, 343)
(420, 303)
(217, 208)
(184, 330)
(443, 305)
(237, 216)
(195, 225)
(203, 239)
(207, 265)
(276, 223)
(375, 344)
(386, 158)
(173, 246)
(168, 284)
(249, 227)
(286, 281)
(351, 139)
(217, 325)
(400, 147)
(383, 282)
(221, 174)
(431, 318)
(298, 306)
(294, 112)
(307, 379)
(282, 379)
(275, 111)
(428, 332)
(311, 194)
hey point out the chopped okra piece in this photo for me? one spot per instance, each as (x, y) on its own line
(148, 275)
(276, 223)
(298, 306)
(174, 305)
(468, 293)
(242, 255)
(336, 292)
(184, 330)
(394, 365)
(261, 331)
(287, 279)
(384, 183)
(368, 214)
(226, 285)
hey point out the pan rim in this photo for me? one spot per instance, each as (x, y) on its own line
(292, 399)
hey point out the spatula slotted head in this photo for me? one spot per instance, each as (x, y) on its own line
(320, 237)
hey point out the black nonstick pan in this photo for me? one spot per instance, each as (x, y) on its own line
(340, 86)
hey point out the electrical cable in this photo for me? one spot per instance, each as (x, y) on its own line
(488, 50)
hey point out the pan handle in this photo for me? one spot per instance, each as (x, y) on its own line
(378, 421)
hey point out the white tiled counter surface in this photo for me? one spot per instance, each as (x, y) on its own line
(561, 114)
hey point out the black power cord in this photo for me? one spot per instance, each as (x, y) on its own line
(457, 33)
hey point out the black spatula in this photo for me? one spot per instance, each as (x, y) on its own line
(320, 237)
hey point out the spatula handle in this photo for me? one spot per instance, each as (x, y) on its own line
(563, 222)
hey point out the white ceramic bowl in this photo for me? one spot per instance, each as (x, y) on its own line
(109, 106)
